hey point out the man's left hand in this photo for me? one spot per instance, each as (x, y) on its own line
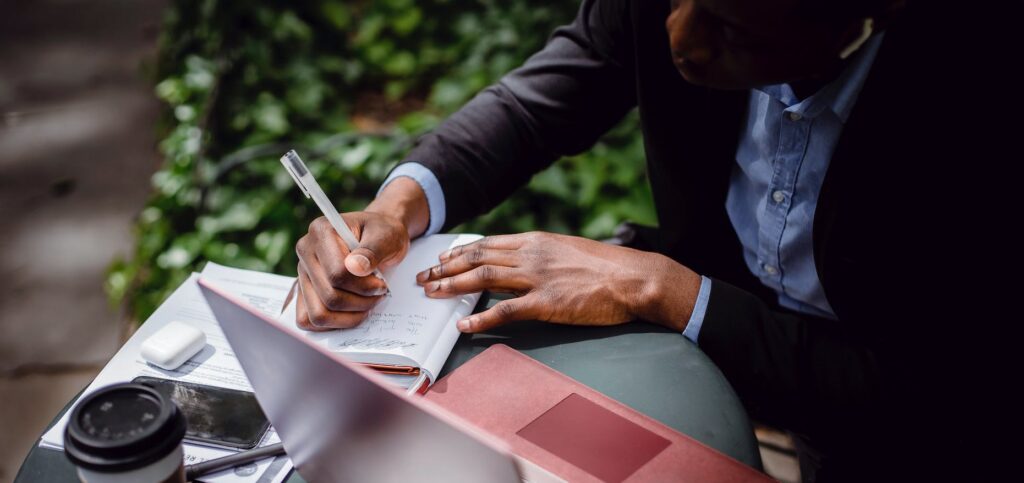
(564, 279)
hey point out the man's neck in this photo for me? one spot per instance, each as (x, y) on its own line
(808, 87)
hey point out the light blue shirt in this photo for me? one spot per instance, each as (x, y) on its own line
(773, 192)
(431, 187)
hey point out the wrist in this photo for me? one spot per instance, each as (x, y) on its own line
(671, 293)
(404, 199)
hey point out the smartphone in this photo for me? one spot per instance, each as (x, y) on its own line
(216, 416)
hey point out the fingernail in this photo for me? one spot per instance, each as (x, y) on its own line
(445, 254)
(463, 325)
(433, 286)
(361, 261)
(381, 291)
(422, 276)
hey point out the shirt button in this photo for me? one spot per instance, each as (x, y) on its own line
(778, 196)
(794, 116)
(769, 269)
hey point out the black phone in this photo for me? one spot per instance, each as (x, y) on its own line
(216, 416)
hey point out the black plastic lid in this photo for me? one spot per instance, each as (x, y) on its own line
(123, 427)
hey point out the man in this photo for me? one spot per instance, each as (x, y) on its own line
(798, 152)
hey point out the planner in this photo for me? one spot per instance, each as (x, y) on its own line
(406, 333)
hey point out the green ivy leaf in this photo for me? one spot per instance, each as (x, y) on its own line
(400, 64)
(291, 27)
(355, 157)
(172, 91)
(337, 13)
(272, 245)
(407, 21)
(182, 252)
(270, 115)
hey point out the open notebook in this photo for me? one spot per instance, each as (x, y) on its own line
(407, 332)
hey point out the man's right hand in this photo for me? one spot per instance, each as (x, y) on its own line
(337, 288)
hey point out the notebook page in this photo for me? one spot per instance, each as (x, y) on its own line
(404, 328)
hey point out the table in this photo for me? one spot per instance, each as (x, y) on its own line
(646, 367)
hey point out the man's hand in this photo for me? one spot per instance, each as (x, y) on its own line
(564, 279)
(337, 288)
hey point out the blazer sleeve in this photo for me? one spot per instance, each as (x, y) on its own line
(558, 103)
(799, 372)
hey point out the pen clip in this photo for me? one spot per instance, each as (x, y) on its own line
(286, 162)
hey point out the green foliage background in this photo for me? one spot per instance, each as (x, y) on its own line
(350, 85)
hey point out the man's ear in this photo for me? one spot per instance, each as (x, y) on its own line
(867, 28)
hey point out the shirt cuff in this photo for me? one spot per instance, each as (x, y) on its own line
(431, 187)
(692, 330)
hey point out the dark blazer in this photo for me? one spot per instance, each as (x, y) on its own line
(889, 231)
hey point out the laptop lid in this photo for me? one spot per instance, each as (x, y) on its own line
(339, 422)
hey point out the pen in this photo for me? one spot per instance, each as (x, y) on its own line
(201, 469)
(297, 169)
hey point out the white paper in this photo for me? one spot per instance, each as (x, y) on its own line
(263, 291)
(214, 365)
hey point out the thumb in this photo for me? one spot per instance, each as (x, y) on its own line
(361, 262)
(375, 247)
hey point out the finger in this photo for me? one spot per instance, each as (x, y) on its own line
(487, 277)
(468, 260)
(326, 251)
(377, 245)
(496, 242)
(521, 308)
(325, 245)
(301, 316)
(334, 299)
(319, 315)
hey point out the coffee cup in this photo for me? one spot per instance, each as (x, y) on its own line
(126, 433)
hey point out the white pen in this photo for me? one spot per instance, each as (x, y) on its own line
(300, 173)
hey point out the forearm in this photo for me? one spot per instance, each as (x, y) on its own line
(404, 199)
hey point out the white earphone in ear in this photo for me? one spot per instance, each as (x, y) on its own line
(865, 32)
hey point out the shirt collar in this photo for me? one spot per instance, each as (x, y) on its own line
(838, 95)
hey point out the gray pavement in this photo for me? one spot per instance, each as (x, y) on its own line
(77, 149)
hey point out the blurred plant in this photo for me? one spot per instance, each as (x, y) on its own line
(350, 85)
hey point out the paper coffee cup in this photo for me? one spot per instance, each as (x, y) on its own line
(126, 433)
